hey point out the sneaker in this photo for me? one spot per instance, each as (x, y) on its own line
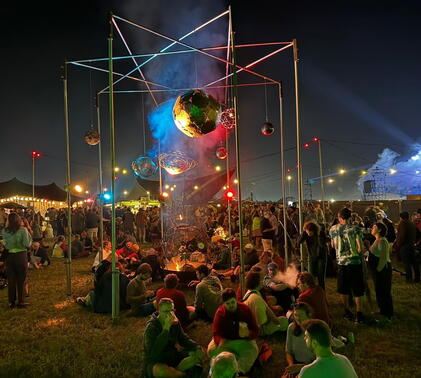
(348, 315)
(359, 318)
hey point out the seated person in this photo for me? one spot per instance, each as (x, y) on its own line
(296, 351)
(182, 311)
(235, 331)
(60, 247)
(138, 297)
(276, 288)
(152, 258)
(224, 365)
(327, 364)
(106, 251)
(197, 256)
(162, 357)
(250, 258)
(40, 254)
(127, 252)
(77, 247)
(264, 259)
(224, 260)
(87, 243)
(314, 296)
(267, 321)
(208, 293)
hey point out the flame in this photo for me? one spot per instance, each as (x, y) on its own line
(180, 217)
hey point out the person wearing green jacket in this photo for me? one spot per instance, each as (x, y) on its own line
(17, 240)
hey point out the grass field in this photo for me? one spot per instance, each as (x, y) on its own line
(54, 337)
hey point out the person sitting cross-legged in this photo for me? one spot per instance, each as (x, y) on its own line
(208, 293)
(267, 321)
(138, 297)
(162, 357)
(182, 311)
(235, 331)
(327, 364)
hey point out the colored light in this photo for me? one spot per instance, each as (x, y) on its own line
(235, 181)
(165, 194)
(330, 181)
(306, 145)
(167, 186)
(289, 178)
(107, 196)
(363, 173)
(195, 187)
(78, 188)
(124, 171)
(86, 191)
(342, 171)
(217, 168)
(116, 169)
(125, 192)
(315, 139)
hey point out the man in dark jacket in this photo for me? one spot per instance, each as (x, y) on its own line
(405, 245)
(162, 358)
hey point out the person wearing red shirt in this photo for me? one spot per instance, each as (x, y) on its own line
(129, 251)
(314, 296)
(182, 311)
(235, 330)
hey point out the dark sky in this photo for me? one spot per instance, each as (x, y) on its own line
(359, 75)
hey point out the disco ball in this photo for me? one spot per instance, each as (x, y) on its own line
(176, 162)
(267, 129)
(144, 166)
(195, 113)
(91, 137)
(227, 118)
(221, 153)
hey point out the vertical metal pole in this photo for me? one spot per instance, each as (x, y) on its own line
(284, 201)
(322, 185)
(33, 187)
(298, 136)
(68, 261)
(101, 205)
(161, 209)
(115, 271)
(237, 151)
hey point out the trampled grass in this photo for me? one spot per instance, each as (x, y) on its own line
(54, 337)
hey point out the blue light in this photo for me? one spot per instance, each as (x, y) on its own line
(107, 196)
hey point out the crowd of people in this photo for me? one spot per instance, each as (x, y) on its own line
(357, 250)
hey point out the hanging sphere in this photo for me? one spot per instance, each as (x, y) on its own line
(144, 167)
(221, 153)
(267, 129)
(92, 137)
(176, 162)
(195, 113)
(227, 118)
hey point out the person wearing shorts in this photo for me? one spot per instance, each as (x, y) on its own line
(346, 238)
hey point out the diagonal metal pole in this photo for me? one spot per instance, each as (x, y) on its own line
(68, 260)
(115, 272)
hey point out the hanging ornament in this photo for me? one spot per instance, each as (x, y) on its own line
(144, 167)
(267, 129)
(176, 162)
(195, 113)
(221, 153)
(227, 118)
(92, 137)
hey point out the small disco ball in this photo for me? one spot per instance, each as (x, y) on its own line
(221, 153)
(267, 129)
(195, 113)
(91, 137)
(227, 118)
(144, 167)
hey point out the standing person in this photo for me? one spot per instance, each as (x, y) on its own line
(128, 222)
(381, 268)
(327, 364)
(405, 246)
(141, 220)
(92, 223)
(17, 240)
(256, 232)
(317, 251)
(268, 231)
(235, 331)
(347, 241)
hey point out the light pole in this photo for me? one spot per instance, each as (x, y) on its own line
(322, 186)
(35, 154)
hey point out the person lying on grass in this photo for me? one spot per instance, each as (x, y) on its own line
(162, 357)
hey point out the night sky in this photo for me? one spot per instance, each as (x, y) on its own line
(359, 76)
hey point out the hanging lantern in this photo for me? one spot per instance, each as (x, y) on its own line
(195, 113)
(221, 153)
(227, 118)
(144, 167)
(267, 129)
(92, 137)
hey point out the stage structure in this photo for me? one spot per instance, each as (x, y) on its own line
(229, 82)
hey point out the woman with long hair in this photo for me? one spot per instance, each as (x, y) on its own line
(381, 269)
(17, 240)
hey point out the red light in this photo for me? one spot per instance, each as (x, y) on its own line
(164, 194)
(289, 170)
(315, 139)
(306, 145)
(229, 194)
(36, 154)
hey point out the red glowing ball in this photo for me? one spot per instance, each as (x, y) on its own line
(221, 153)
(267, 129)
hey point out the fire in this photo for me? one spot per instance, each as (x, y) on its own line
(180, 217)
